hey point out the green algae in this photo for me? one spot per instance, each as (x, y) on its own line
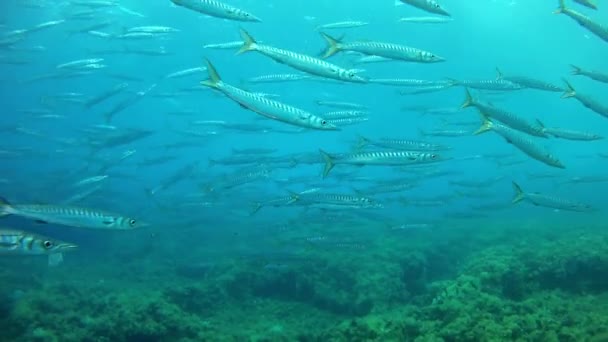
(513, 281)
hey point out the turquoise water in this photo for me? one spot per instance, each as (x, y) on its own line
(448, 258)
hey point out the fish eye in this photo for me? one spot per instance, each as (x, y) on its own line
(323, 122)
(436, 5)
(47, 244)
(246, 14)
(132, 222)
(433, 156)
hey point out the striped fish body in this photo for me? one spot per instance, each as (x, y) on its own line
(406, 82)
(340, 122)
(500, 84)
(344, 114)
(70, 216)
(392, 51)
(15, 242)
(572, 135)
(273, 109)
(532, 83)
(275, 78)
(556, 203)
(410, 145)
(512, 120)
(217, 9)
(308, 64)
(336, 201)
(388, 158)
(525, 144)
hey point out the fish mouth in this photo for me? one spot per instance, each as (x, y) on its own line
(67, 247)
(142, 224)
(444, 12)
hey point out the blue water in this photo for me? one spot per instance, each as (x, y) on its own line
(520, 38)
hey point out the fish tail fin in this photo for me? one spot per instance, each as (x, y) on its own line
(214, 78)
(486, 125)
(248, 42)
(540, 123)
(294, 197)
(333, 45)
(519, 193)
(570, 91)
(255, 207)
(499, 74)
(468, 100)
(4, 206)
(361, 142)
(575, 70)
(561, 7)
(329, 162)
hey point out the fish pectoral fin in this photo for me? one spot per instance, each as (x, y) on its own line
(41, 222)
(55, 259)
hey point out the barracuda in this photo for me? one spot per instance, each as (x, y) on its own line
(592, 74)
(512, 120)
(596, 28)
(387, 50)
(585, 100)
(521, 141)
(265, 106)
(217, 9)
(430, 6)
(308, 64)
(16, 242)
(389, 158)
(548, 201)
(70, 216)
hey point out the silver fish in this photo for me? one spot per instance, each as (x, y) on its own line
(569, 134)
(16, 242)
(528, 82)
(430, 6)
(387, 50)
(587, 3)
(522, 142)
(548, 201)
(342, 25)
(217, 9)
(596, 28)
(510, 119)
(394, 158)
(70, 216)
(308, 64)
(265, 106)
(592, 74)
(586, 100)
